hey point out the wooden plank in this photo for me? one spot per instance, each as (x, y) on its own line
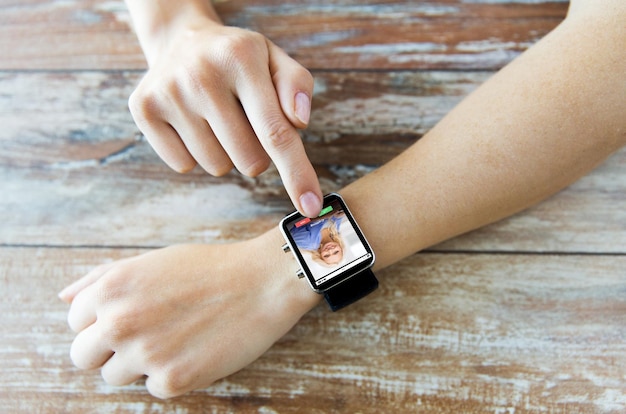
(444, 333)
(358, 117)
(96, 34)
(490, 322)
(119, 204)
(393, 35)
(60, 117)
(74, 170)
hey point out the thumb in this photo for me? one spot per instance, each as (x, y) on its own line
(293, 84)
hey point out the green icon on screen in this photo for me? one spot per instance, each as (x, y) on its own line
(325, 210)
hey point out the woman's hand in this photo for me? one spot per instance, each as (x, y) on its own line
(222, 96)
(184, 316)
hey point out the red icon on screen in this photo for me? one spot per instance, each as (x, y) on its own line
(303, 222)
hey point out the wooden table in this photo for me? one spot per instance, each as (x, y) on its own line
(524, 316)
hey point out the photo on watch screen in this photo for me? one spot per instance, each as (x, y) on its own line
(329, 244)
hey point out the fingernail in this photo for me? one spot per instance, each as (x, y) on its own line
(303, 107)
(311, 204)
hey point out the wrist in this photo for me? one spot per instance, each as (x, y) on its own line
(280, 270)
(158, 23)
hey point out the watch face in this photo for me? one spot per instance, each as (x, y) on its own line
(329, 248)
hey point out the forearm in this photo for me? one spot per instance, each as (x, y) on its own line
(539, 124)
(155, 20)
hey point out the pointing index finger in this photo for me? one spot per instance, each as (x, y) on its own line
(283, 144)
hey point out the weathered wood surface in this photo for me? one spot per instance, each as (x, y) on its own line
(446, 333)
(94, 34)
(524, 316)
(82, 158)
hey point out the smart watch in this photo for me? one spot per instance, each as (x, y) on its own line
(332, 252)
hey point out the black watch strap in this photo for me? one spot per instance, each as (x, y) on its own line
(351, 290)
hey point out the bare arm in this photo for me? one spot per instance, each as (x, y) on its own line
(156, 22)
(539, 124)
(536, 126)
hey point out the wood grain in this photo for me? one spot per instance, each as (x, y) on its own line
(74, 168)
(445, 333)
(96, 34)
(523, 316)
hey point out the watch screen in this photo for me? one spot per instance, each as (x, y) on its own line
(331, 247)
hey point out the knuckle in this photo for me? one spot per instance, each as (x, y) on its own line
(82, 356)
(170, 382)
(182, 166)
(146, 102)
(149, 352)
(239, 50)
(76, 357)
(256, 167)
(111, 378)
(240, 44)
(198, 77)
(117, 317)
(219, 170)
(305, 76)
(279, 135)
(111, 286)
(119, 324)
(216, 163)
(142, 105)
